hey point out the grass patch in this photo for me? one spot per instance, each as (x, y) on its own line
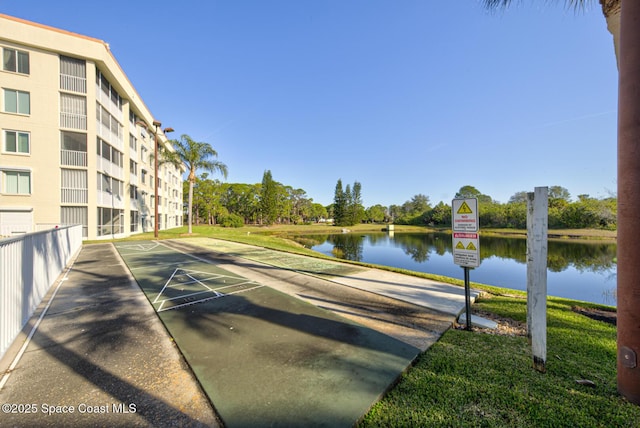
(479, 379)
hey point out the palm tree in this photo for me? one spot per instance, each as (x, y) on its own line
(623, 17)
(197, 155)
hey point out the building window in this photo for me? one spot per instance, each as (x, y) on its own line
(110, 221)
(74, 186)
(74, 148)
(16, 61)
(73, 111)
(109, 153)
(135, 220)
(17, 101)
(73, 74)
(16, 142)
(75, 141)
(110, 185)
(133, 192)
(108, 91)
(16, 182)
(75, 215)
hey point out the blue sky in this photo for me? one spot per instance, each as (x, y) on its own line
(406, 96)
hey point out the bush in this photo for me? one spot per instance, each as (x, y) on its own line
(231, 220)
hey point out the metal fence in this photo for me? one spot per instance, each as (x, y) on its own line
(29, 266)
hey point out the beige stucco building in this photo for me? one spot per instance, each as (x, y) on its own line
(75, 148)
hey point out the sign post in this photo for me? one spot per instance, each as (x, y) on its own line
(537, 225)
(466, 242)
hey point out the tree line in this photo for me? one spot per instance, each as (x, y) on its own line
(271, 202)
(585, 212)
(237, 204)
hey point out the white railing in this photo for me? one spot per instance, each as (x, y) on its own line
(115, 139)
(73, 121)
(29, 266)
(110, 168)
(73, 158)
(109, 200)
(73, 83)
(108, 103)
(74, 196)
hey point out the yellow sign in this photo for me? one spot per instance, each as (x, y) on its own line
(464, 209)
(471, 246)
(460, 245)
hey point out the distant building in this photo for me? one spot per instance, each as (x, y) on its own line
(74, 145)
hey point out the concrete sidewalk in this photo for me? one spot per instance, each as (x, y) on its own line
(100, 357)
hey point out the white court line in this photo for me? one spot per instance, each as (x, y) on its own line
(209, 298)
(184, 296)
(210, 290)
(160, 309)
(199, 282)
(165, 285)
(141, 247)
(165, 264)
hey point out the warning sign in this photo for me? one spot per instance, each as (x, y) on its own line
(464, 208)
(466, 249)
(464, 216)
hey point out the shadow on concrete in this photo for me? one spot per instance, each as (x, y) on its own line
(96, 347)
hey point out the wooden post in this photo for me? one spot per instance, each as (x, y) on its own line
(537, 225)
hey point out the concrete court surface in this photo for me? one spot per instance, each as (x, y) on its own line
(265, 358)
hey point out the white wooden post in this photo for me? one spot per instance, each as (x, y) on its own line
(537, 225)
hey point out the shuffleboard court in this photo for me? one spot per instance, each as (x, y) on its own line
(263, 357)
(182, 283)
(309, 265)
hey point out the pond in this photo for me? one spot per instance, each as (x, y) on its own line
(577, 269)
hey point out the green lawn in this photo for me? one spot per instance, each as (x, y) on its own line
(480, 379)
(473, 378)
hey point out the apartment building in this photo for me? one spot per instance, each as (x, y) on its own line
(77, 140)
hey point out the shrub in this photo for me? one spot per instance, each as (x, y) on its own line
(231, 220)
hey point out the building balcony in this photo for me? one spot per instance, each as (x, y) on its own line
(73, 83)
(73, 121)
(74, 196)
(73, 158)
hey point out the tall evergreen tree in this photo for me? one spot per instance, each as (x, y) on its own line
(268, 198)
(348, 207)
(357, 209)
(339, 204)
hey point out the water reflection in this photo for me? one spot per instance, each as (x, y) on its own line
(576, 269)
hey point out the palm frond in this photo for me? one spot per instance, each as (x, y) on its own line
(198, 155)
(496, 4)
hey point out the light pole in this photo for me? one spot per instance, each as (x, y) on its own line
(157, 125)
